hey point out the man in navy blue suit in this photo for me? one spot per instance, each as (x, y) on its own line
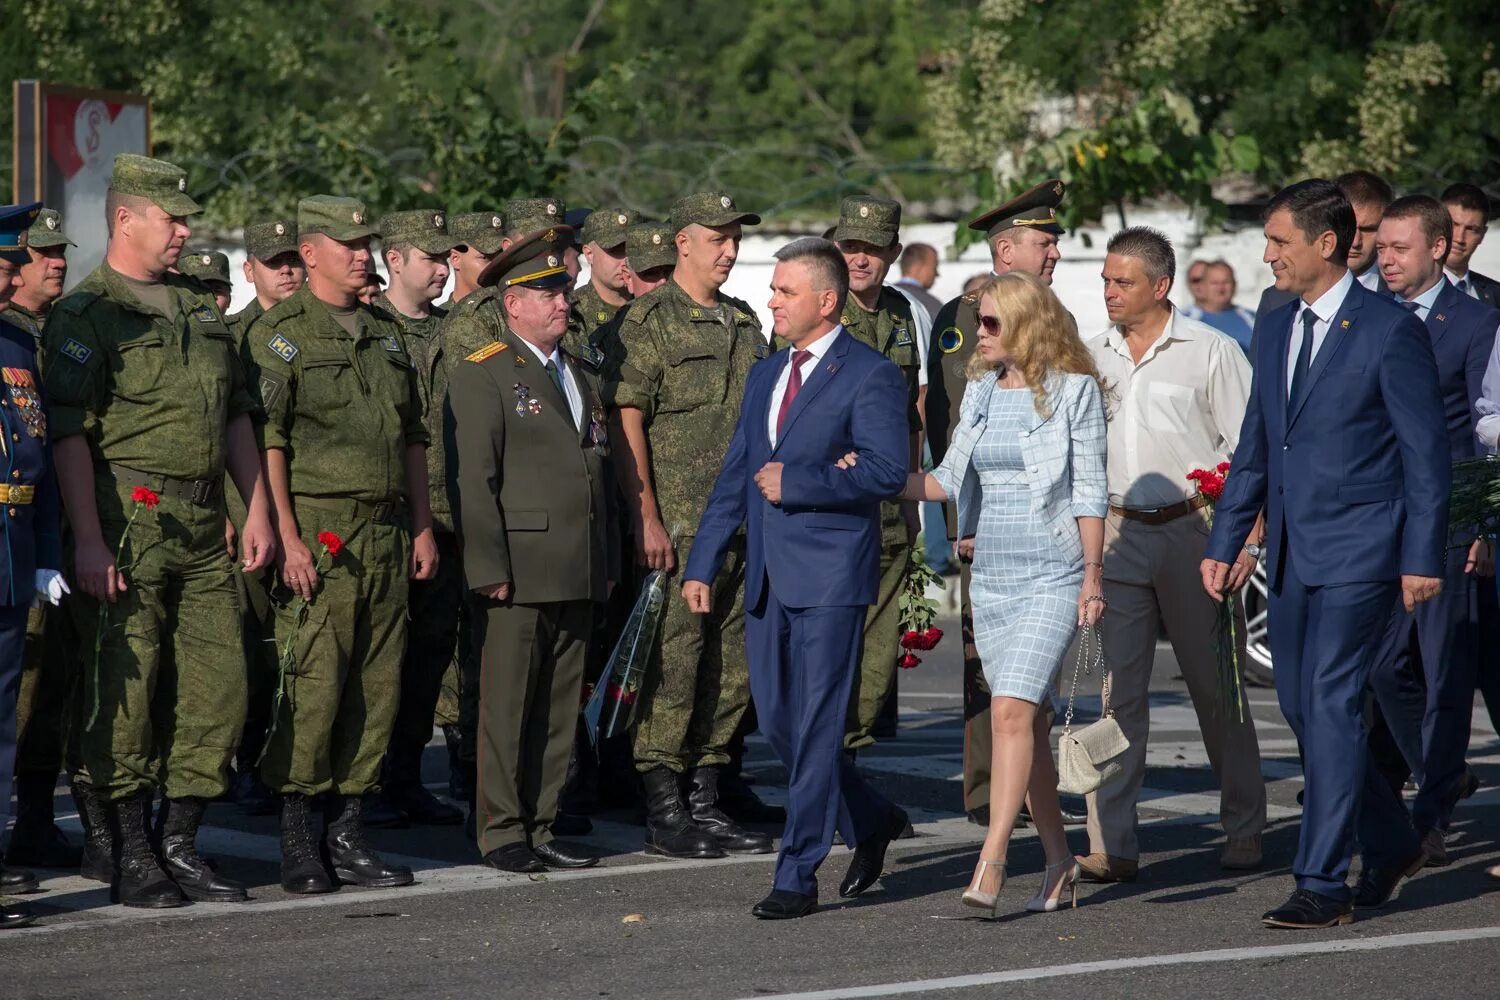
(1344, 445)
(1425, 674)
(812, 560)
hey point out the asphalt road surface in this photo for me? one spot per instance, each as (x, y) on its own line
(649, 928)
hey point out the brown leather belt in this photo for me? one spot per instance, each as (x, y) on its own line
(199, 492)
(1161, 515)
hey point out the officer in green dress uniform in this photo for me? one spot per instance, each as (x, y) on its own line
(1022, 235)
(533, 509)
(868, 236)
(46, 735)
(416, 246)
(685, 350)
(147, 393)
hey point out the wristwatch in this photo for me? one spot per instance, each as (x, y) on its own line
(1254, 550)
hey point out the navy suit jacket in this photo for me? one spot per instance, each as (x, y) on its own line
(1463, 334)
(1356, 477)
(31, 532)
(821, 545)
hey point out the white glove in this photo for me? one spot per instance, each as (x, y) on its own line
(50, 587)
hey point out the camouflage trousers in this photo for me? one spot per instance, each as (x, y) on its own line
(344, 678)
(47, 707)
(170, 674)
(698, 685)
(877, 665)
(432, 637)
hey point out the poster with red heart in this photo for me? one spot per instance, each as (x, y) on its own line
(66, 142)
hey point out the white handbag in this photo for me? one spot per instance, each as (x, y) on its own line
(1089, 757)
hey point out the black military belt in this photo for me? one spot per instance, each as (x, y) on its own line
(1161, 515)
(375, 511)
(199, 492)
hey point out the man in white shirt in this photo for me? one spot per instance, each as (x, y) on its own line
(1178, 394)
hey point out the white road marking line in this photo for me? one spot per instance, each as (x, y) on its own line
(1316, 948)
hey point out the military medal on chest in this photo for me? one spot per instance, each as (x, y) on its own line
(26, 399)
(598, 430)
(526, 403)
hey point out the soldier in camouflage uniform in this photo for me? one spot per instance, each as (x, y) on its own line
(272, 265)
(345, 453)
(416, 246)
(479, 236)
(147, 391)
(608, 287)
(685, 351)
(212, 268)
(1022, 236)
(274, 268)
(49, 675)
(651, 253)
(868, 236)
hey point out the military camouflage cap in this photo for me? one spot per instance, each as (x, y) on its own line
(608, 227)
(342, 219)
(163, 184)
(481, 230)
(1035, 208)
(15, 222)
(205, 265)
(425, 229)
(265, 240)
(710, 208)
(651, 245)
(527, 215)
(868, 219)
(47, 230)
(533, 261)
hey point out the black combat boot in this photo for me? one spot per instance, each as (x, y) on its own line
(703, 806)
(302, 870)
(35, 839)
(139, 880)
(98, 861)
(404, 790)
(353, 861)
(670, 831)
(196, 877)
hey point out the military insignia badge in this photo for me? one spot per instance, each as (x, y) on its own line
(521, 389)
(437, 221)
(358, 217)
(520, 407)
(280, 229)
(516, 357)
(592, 356)
(656, 239)
(391, 344)
(553, 261)
(726, 201)
(495, 222)
(282, 348)
(598, 429)
(534, 405)
(864, 211)
(51, 222)
(182, 183)
(270, 389)
(551, 208)
(203, 314)
(762, 351)
(622, 218)
(602, 315)
(76, 351)
(903, 337)
(950, 340)
(487, 351)
(1344, 325)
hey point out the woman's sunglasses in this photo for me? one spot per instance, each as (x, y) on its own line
(991, 324)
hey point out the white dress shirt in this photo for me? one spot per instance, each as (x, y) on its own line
(1371, 278)
(570, 385)
(815, 350)
(1326, 308)
(1426, 299)
(1178, 409)
(1462, 283)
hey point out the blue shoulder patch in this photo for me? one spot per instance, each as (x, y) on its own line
(391, 344)
(73, 349)
(203, 314)
(283, 348)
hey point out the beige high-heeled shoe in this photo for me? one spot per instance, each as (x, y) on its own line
(1042, 902)
(977, 898)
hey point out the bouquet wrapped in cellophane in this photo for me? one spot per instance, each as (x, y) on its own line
(611, 708)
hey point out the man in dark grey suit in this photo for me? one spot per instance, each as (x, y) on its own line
(1469, 207)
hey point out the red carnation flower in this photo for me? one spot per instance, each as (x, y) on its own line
(333, 543)
(142, 495)
(909, 660)
(1223, 468)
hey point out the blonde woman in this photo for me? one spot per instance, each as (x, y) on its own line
(1026, 467)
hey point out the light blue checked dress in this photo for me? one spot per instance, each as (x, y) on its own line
(1024, 586)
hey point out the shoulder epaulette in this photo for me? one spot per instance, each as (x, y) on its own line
(638, 309)
(76, 303)
(486, 352)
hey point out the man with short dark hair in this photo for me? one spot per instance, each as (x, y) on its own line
(608, 288)
(480, 236)
(1344, 447)
(1425, 673)
(1369, 194)
(1469, 208)
(272, 266)
(1180, 389)
(1216, 297)
(919, 271)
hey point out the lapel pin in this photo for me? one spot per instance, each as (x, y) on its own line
(1440, 318)
(833, 366)
(1344, 325)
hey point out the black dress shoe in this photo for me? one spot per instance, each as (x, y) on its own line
(13, 915)
(1377, 885)
(783, 904)
(1308, 910)
(869, 857)
(18, 882)
(572, 825)
(517, 857)
(561, 854)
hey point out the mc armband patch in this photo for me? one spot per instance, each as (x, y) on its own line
(74, 350)
(282, 348)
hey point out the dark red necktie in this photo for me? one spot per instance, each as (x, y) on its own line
(793, 386)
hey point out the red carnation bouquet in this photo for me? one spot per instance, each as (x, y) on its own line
(917, 610)
(1227, 630)
(329, 547)
(143, 499)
